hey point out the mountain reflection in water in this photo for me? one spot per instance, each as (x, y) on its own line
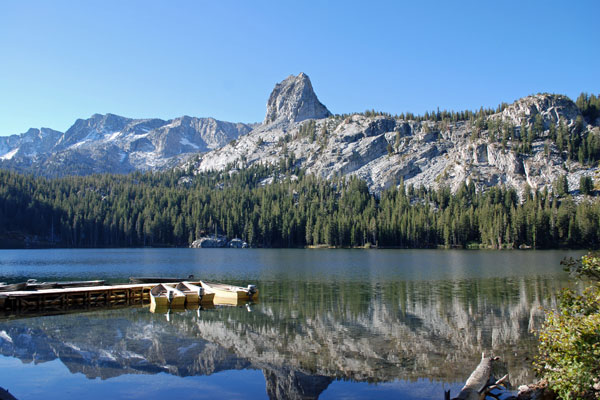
(305, 335)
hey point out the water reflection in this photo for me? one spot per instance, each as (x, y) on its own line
(304, 335)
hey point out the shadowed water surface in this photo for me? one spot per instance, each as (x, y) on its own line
(329, 324)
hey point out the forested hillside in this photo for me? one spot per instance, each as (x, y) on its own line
(531, 141)
(293, 209)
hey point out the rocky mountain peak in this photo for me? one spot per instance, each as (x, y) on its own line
(551, 107)
(294, 100)
(93, 128)
(108, 122)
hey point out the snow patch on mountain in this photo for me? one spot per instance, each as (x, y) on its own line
(111, 143)
(186, 142)
(9, 155)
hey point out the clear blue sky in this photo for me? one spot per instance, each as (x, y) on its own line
(63, 60)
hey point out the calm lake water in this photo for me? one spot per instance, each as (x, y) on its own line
(355, 324)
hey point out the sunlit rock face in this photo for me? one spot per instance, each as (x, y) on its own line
(551, 108)
(294, 100)
(384, 150)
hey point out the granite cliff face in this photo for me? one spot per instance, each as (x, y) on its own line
(294, 100)
(384, 150)
(552, 109)
(29, 145)
(378, 148)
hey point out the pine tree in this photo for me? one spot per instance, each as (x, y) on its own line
(586, 185)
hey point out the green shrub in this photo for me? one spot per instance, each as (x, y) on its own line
(569, 341)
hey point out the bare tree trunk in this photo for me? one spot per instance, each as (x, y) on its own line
(478, 384)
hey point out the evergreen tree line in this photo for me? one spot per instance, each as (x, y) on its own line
(575, 143)
(173, 209)
(433, 116)
(589, 105)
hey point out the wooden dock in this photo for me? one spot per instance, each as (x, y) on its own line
(30, 303)
(53, 300)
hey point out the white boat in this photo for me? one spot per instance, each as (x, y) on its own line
(195, 294)
(165, 296)
(232, 292)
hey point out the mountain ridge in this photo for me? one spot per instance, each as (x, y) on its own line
(528, 143)
(115, 144)
(517, 146)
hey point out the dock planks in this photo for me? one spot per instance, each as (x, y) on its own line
(29, 303)
(42, 300)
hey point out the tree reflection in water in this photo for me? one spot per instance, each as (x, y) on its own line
(306, 335)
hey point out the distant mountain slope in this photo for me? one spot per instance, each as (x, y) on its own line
(111, 143)
(530, 142)
(533, 142)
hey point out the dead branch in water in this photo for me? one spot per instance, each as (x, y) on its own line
(480, 383)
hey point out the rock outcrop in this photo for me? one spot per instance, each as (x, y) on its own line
(384, 150)
(29, 145)
(237, 243)
(218, 242)
(552, 109)
(294, 100)
(209, 242)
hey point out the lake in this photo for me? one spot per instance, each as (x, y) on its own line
(355, 324)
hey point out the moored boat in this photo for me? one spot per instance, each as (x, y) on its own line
(226, 291)
(208, 297)
(231, 302)
(192, 292)
(166, 296)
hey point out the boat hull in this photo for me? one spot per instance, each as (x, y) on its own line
(158, 302)
(164, 295)
(230, 292)
(178, 302)
(191, 298)
(207, 298)
(222, 294)
(191, 291)
(223, 301)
